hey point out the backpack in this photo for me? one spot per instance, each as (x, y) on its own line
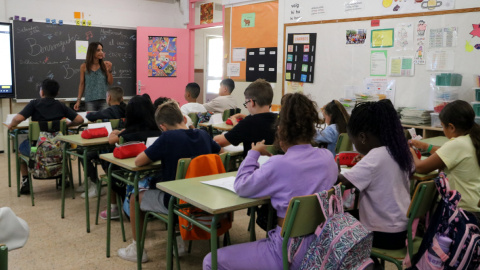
(342, 242)
(201, 166)
(46, 161)
(453, 222)
(204, 117)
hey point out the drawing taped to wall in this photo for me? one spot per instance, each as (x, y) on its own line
(162, 56)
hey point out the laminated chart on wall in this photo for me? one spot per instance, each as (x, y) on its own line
(300, 60)
(262, 64)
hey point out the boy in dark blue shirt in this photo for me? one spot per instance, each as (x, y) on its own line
(176, 142)
(116, 109)
(47, 108)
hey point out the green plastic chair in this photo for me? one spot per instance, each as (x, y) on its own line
(3, 257)
(229, 112)
(194, 117)
(304, 214)
(422, 202)
(343, 143)
(33, 133)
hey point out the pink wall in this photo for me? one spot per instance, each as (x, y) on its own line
(172, 87)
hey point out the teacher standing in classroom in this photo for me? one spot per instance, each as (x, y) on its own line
(95, 77)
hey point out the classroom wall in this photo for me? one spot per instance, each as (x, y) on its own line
(121, 13)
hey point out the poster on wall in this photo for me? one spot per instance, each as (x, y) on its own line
(162, 56)
(206, 13)
(262, 64)
(396, 7)
(300, 64)
(357, 36)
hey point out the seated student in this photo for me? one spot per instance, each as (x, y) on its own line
(225, 100)
(192, 90)
(116, 110)
(159, 101)
(47, 108)
(382, 175)
(336, 117)
(259, 125)
(459, 157)
(176, 142)
(139, 125)
(303, 170)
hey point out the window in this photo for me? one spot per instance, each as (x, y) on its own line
(214, 65)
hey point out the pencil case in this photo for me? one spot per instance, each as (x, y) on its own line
(346, 158)
(93, 133)
(128, 150)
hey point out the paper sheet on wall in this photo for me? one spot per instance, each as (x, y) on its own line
(443, 37)
(233, 69)
(378, 63)
(304, 11)
(294, 87)
(81, 49)
(354, 5)
(380, 87)
(402, 66)
(440, 60)
(239, 54)
(403, 36)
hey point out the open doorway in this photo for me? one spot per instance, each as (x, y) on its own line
(213, 66)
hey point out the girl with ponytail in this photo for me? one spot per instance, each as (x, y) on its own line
(459, 157)
(336, 117)
(382, 175)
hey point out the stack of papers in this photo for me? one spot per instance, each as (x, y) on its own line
(414, 116)
(226, 183)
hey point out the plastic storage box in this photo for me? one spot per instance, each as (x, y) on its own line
(435, 120)
(476, 108)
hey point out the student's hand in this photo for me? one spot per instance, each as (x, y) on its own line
(357, 158)
(115, 132)
(234, 120)
(262, 148)
(10, 126)
(418, 144)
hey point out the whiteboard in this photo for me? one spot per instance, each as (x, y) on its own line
(338, 65)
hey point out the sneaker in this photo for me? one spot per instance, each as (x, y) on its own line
(180, 246)
(92, 191)
(114, 214)
(130, 253)
(81, 188)
(25, 186)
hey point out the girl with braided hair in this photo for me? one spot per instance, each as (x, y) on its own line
(382, 175)
(336, 117)
(459, 157)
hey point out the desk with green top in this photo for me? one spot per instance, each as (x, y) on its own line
(87, 145)
(129, 165)
(214, 200)
(13, 136)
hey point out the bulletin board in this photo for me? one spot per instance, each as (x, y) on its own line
(253, 26)
(341, 67)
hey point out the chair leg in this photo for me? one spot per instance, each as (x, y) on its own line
(99, 189)
(120, 208)
(144, 230)
(70, 174)
(30, 182)
(190, 246)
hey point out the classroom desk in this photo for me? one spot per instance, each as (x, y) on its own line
(436, 141)
(87, 145)
(223, 126)
(213, 200)
(129, 165)
(13, 136)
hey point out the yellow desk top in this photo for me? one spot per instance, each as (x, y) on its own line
(214, 200)
(78, 140)
(129, 163)
(223, 126)
(22, 125)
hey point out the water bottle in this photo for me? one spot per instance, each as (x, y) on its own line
(444, 243)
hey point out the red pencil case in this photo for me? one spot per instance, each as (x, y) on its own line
(346, 158)
(93, 133)
(128, 150)
(229, 122)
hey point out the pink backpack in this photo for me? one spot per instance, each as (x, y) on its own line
(342, 242)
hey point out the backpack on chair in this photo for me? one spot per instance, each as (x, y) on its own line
(342, 242)
(46, 161)
(450, 221)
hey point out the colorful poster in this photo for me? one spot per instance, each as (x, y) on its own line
(378, 63)
(419, 58)
(383, 88)
(248, 20)
(162, 56)
(300, 65)
(396, 7)
(206, 13)
(404, 36)
(382, 38)
(356, 36)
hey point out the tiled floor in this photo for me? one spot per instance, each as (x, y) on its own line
(57, 243)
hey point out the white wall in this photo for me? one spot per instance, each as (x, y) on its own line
(121, 13)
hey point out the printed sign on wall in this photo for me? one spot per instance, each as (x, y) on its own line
(300, 65)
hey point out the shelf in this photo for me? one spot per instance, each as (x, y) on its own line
(426, 131)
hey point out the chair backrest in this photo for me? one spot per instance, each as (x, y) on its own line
(194, 117)
(229, 112)
(183, 163)
(273, 149)
(343, 143)
(303, 216)
(34, 129)
(116, 123)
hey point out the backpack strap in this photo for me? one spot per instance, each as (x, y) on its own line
(44, 126)
(407, 261)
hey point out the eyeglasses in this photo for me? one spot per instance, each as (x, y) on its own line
(246, 102)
